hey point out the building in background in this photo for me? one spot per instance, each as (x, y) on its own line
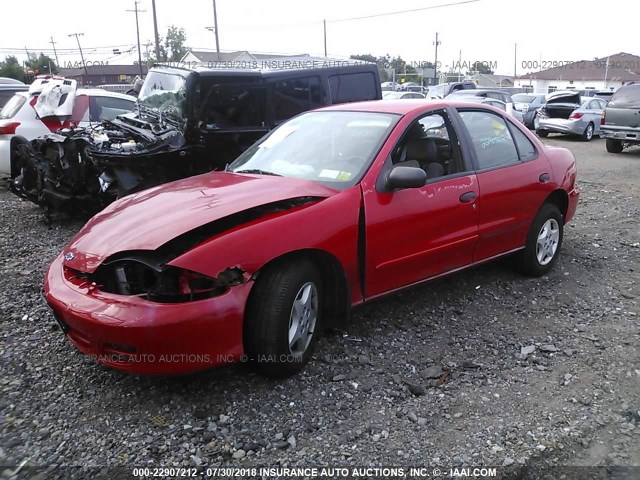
(97, 75)
(606, 73)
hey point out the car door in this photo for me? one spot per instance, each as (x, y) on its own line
(514, 179)
(418, 233)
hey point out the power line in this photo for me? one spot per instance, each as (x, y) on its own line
(403, 11)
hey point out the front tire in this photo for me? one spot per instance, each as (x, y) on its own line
(614, 146)
(283, 318)
(543, 242)
(587, 135)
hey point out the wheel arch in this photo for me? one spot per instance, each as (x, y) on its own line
(560, 199)
(336, 304)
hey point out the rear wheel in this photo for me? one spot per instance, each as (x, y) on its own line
(543, 242)
(283, 318)
(542, 133)
(587, 135)
(536, 121)
(614, 146)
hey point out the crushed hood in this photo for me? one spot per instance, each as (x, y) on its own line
(149, 219)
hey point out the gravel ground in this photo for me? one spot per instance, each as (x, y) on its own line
(484, 367)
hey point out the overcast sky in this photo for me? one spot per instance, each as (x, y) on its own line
(486, 30)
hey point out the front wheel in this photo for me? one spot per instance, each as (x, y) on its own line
(543, 242)
(283, 318)
(542, 133)
(587, 135)
(614, 146)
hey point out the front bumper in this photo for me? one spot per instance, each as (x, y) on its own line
(561, 125)
(138, 336)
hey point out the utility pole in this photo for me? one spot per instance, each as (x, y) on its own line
(55, 52)
(136, 2)
(155, 30)
(435, 71)
(515, 63)
(325, 36)
(77, 35)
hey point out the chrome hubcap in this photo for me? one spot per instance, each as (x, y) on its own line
(589, 131)
(304, 315)
(548, 240)
(536, 122)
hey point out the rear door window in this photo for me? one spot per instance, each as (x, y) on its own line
(352, 87)
(108, 108)
(296, 95)
(626, 97)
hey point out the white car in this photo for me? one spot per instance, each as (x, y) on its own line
(51, 104)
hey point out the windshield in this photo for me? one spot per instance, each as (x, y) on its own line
(165, 92)
(333, 148)
(522, 98)
(392, 95)
(626, 97)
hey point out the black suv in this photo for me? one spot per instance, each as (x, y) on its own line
(189, 121)
(620, 124)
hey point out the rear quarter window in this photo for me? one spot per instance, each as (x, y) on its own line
(352, 87)
(12, 106)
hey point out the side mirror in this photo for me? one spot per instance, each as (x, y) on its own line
(405, 177)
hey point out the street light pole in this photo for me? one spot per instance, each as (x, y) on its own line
(80, 48)
(324, 22)
(215, 26)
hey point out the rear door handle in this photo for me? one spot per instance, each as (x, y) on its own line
(468, 197)
(544, 178)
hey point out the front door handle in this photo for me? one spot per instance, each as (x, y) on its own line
(468, 197)
(544, 178)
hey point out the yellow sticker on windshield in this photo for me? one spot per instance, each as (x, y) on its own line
(344, 176)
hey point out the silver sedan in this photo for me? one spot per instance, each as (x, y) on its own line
(584, 121)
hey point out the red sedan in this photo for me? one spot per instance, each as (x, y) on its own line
(332, 209)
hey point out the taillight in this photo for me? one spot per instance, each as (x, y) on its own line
(9, 128)
(576, 115)
(604, 114)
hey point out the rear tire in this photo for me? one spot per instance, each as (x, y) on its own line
(542, 133)
(587, 135)
(614, 146)
(283, 319)
(543, 242)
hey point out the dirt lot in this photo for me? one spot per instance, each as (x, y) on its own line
(484, 367)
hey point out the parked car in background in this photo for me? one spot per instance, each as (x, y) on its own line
(621, 120)
(604, 94)
(569, 113)
(444, 89)
(401, 95)
(172, 272)
(490, 101)
(390, 86)
(492, 94)
(29, 115)
(411, 87)
(528, 104)
(8, 87)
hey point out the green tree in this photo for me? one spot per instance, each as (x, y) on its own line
(480, 67)
(174, 45)
(11, 68)
(367, 57)
(41, 64)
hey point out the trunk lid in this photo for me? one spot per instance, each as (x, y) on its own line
(561, 104)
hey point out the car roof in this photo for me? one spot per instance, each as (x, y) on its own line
(15, 87)
(10, 81)
(404, 107)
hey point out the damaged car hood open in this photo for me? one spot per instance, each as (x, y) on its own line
(149, 219)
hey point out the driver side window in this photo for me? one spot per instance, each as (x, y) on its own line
(430, 144)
